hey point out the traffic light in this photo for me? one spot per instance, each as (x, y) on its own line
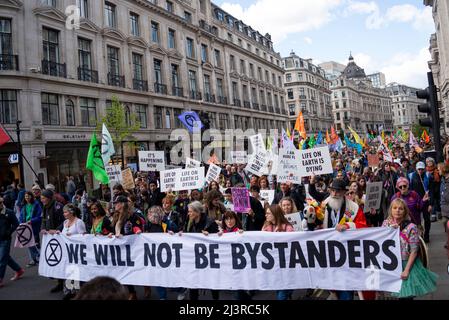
(431, 108)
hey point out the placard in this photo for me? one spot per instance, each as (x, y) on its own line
(257, 162)
(373, 160)
(267, 195)
(295, 220)
(128, 179)
(151, 161)
(257, 143)
(272, 164)
(213, 174)
(239, 157)
(289, 169)
(192, 163)
(114, 173)
(182, 179)
(240, 199)
(316, 161)
(373, 196)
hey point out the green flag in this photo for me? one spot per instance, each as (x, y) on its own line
(312, 141)
(95, 161)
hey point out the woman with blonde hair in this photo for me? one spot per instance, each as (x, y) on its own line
(287, 205)
(417, 280)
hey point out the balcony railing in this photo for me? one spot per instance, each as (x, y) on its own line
(178, 91)
(222, 100)
(255, 106)
(208, 28)
(209, 97)
(116, 80)
(247, 104)
(284, 112)
(89, 75)
(270, 109)
(195, 95)
(160, 88)
(9, 62)
(302, 97)
(237, 102)
(277, 110)
(54, 69)
(141, 85)
(263, 107)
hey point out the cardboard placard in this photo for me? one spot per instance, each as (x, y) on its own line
(267, 195)
(115, 174)
(213, 174)
(257, 143)
(182, 179)
(373, 196)
(257, 162)
(289, 169)
(373, 160)
(295, 220)
(192, 163)
(151, 161)
(239, 157)
(128, 179)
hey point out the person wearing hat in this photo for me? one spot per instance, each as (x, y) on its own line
(52, 219)
(414, 201)
(340, 213)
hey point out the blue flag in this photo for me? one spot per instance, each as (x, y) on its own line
(191, 120)
(319, 139)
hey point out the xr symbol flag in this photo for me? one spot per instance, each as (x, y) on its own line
(191, 120)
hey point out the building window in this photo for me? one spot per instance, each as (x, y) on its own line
(157, 71)
(251, 70)
(220, 87)
(70, 112)
(51, 45)
(176, 114)
(174, 76)
(51, 3)
(137, 66)
(242, 67)
(8, 106)
(158, 117)
(188, 16)
(50, 109)
(338, 115)
(113, 61)
(128, 115)
(155, 32)
(288, 77)
(190, 48)
(192, 80)
(207, 85)
(223, 121)
(230, 36)
(235, 91)
(110, 18)
(290, 94)
(134, 20)
(169, 6)
(202, 6)
(167, 119)
(88, 112)
(259, 71)
(84, 54)
(171, 39)
(217, 58)
(5, 37)
(83, 7)
(292, 109)
(203, 53)
(232, 62)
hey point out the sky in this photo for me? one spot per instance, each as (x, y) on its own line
(391, 36)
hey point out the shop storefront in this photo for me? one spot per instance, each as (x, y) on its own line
(8, 172)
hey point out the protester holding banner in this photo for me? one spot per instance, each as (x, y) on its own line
(8, 223)
(276, 222)
(101, 225)
(417, 280)
(296, 193)
(31, 213)
(200, 222)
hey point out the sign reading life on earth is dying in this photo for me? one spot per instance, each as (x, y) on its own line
(182, 179)
(366, 259)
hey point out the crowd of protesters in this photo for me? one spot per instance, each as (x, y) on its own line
(415, 193)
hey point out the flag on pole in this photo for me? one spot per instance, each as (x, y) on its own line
(425, 136)
(4, 138)
(95, 162)
(334, 135)
(319, 139)
(299, 125)
(107, 145)
(286, 142)
(356, 136)
(328, 138)
(312, 141)
(191, 120)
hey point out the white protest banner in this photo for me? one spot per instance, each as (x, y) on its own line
(128, 179)
(316, 161)
(295, 220)
(267, 195)
(192, 163)
(114, 173)
(289, 168)
(213, 173)
(366, 259)
(238, 157)
(257, 143)
(256, 163)
(151, 161)
(373, 196)
(182, 179)
(24, 236)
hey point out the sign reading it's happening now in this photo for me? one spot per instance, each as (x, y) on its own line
(366, 259)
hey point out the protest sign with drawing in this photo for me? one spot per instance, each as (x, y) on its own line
(240, 199)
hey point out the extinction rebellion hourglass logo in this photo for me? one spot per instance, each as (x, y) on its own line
(53, 253)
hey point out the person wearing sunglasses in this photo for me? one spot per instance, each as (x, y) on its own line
(413, 200)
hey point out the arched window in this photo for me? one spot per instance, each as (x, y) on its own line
(70, 112)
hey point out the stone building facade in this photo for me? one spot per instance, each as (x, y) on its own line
(159, 58)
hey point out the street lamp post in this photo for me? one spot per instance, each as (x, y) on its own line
(19, 151)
